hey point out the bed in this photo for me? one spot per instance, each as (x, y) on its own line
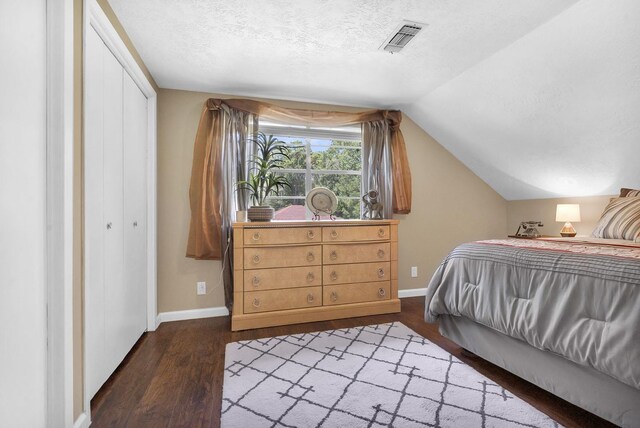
(561, 313)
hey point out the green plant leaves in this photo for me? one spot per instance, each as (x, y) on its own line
(269, 157)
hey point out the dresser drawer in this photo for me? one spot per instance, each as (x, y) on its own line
(280, 300)
(354, 253)
(361, 272)
(270, 257)
(355, 233)
(282, 235)
(271, 279)
(356, 293)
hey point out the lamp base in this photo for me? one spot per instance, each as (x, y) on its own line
(568, 231)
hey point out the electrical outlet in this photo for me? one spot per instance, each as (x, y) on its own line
(414, 271)
(201, 288)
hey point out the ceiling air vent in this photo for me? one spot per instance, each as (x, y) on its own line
(403, 35)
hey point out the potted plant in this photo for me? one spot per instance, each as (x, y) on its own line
(263, 180)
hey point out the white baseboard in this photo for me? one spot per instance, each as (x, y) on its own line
(192, 314)
(221, 311)
(82, 421)
(414, 292)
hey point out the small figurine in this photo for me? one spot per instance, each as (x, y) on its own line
(371, 205)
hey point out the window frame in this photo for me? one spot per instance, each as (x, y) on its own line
(307, 134)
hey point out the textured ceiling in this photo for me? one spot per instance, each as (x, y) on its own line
(321, 50)
(540, 98)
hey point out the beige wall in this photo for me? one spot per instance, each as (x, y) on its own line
(78, 402)
(545, 210)
(451, 205)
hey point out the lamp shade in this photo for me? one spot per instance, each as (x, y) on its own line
(568, 212)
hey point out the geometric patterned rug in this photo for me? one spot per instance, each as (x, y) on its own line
(373, 376)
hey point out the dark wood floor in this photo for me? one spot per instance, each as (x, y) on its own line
(173, 377)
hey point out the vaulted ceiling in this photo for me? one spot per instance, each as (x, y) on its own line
(540, 98)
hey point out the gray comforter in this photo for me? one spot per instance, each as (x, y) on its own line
(577, 299)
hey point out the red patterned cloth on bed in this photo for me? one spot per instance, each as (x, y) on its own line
(595, 246)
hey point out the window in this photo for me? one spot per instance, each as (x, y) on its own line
(320, 157)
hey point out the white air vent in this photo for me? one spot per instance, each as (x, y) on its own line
(401, 36)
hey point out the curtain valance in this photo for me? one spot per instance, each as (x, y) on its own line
(292, 116)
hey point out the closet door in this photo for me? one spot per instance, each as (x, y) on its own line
(115, 290)
(94, 220)
(135, 211)
(115, 174)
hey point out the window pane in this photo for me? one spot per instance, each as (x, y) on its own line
(335, 157)
(330, 158)
(297, 153)
(319, 144)
(349, 143)
(289, 209)
(343, 185)
(296, 180)
(348, 209)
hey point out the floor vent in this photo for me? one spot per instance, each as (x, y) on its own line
(403, 35)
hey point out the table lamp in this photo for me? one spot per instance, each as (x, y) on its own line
(568, 213)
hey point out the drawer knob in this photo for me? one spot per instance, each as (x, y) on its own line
(310, 256)
(381, 232)
(381, 253)
(334, 296)
(380, 273)
(333, 255)
(256, 259)
(334, 276)
(310, 298)
(333, 234)
(310, 277)
(381, 292)
(256, 281)
(109, 225)
(256, 236)
(256, 303)
(310, 234)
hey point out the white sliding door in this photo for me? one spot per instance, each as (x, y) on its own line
(116, 124)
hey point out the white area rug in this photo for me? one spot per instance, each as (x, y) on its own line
(372, 376)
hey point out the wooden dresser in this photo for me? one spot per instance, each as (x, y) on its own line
(288, 272)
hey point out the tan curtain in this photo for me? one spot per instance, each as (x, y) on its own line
(399, 165)
(204, 230)
(219, 160)
(205, 191)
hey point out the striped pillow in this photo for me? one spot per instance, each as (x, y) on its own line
(629, 193)
(620, 220)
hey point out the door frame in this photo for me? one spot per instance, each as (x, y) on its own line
(94, 17)
(59, 211)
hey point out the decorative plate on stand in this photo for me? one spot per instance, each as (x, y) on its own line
(321, 201)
